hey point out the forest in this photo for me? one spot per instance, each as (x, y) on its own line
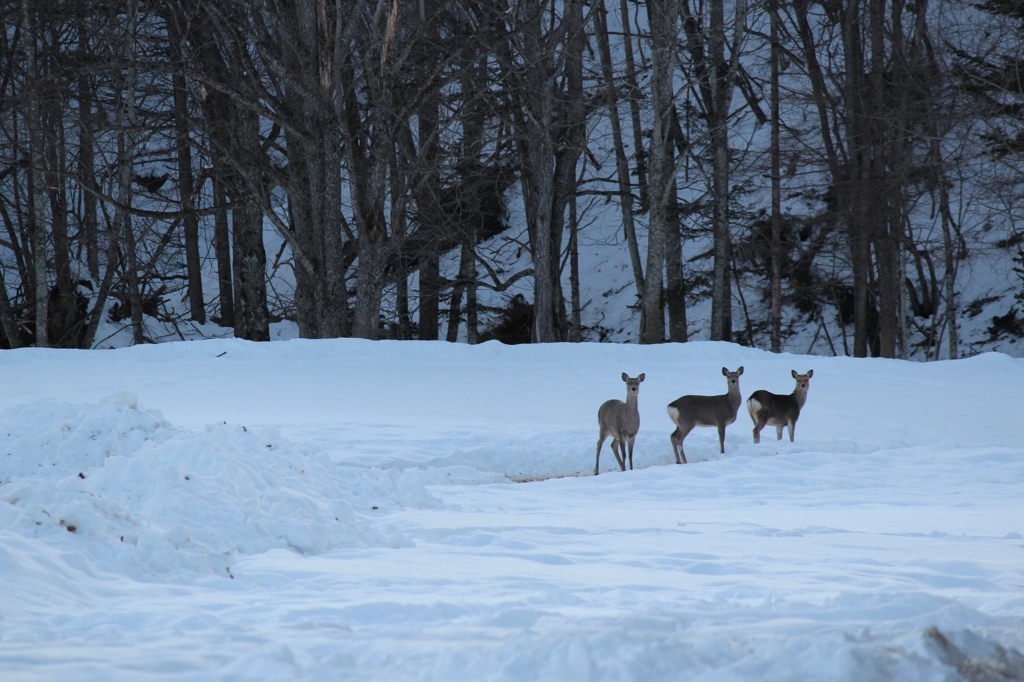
(379, 168)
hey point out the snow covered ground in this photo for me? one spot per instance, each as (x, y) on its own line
(349, 510)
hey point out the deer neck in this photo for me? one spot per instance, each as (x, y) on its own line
(734, 396)
(799, 396)
(631, 399)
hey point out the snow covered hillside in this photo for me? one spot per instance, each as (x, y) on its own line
(343, 509)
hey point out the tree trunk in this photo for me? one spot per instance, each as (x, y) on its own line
(368, 199)
(334, 318)
(428, 203)
(37, 205)
(550, 124)
(186, 183)
(662, 15)
(576, 325)
(854, 183)
(129, 124)
(7, 323)
(675, 283)
(366, 315)
(465, 286)
(251, 316)
(455, 307)
(63, 317)
(949, 275)
(539, 191)
(86, 160)
(776, 217)
(131, 265)
(621, 161)
(634, 106)
(302, 222)
(885, 214)
(721, 288)
(472, 310)
(430, 297)
(538, 169)
(473, 82)
(222, 248)
(252, 319)
(313, 181)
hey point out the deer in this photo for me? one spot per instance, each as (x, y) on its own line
(621, 421)
(705, 410)
(770, 409)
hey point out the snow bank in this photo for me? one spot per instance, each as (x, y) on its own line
(341, 509)
(162, 499)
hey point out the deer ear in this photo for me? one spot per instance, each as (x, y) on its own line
(641, 377)
(810, 373)
(739, 371)
(625, 376)
(725, 372)
(793, 372)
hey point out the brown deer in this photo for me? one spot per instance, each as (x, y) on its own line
(705, 410)
(770, 409)
(620, 420)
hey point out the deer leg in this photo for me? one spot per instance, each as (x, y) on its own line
(778, 433)
(631, 440)
(721, 438)
(682, 436)
(620, 453)
(758, 425)
(597, 459)
(792, 426)
(677, 445)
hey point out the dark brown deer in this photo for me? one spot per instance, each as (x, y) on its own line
(705, 410)
(621, 421)
(771, 409)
